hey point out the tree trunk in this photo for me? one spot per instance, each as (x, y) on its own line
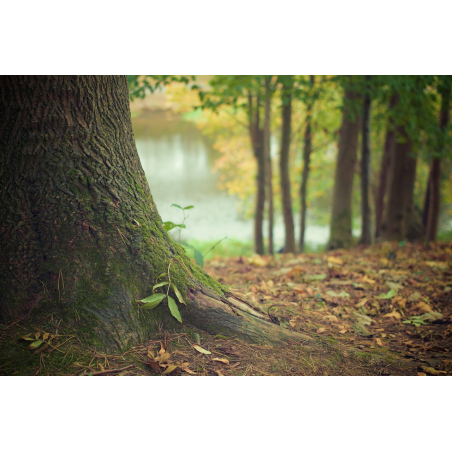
(268, 159)
(366, 235)
(81, 238)
(306, 161)
(289, 246)
(399, 213)
(341, 218)
(435, 172)
(384, 170)
(257, 141)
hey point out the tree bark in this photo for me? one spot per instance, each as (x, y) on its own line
(81, 238)
(434, 191)
(306, 162)
(268, 159)
(289, 246)
(384, 170)
(366, 235)
(257, 141)
(341, 218)
(399, 209)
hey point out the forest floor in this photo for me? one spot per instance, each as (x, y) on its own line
(379, 310)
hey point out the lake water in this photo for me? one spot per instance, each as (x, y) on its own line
(178, 162)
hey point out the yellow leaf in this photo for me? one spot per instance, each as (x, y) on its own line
(342, 331)
(423, 307)
(379, 342)
(422, 374)
(221, 360)
(170, 368)
(320, 330)
(257, 261)
(432, 371)
(201, 350)
(163, 358)
(368, 280)
(361, 303)
(394, 314)
(45, 336)
(335, 260)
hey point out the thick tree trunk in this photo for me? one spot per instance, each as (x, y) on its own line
(289, 246)
(384, 170)
(268, 160)
(257, 141)
(305, 174)
(341, 217)
(399, 209)
(366, 235)
(434, 191)
(81, 238)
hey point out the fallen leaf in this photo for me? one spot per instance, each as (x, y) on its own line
(423, 307)
(45, 336)
(388, 295)
(364, 319)
(221, 360)
(394, 285)
(361, 303)
(335, 260)
(257, 261)
(170, 368)
(331, 318)
(360, 329)
(422, 374)
(201, 350)
(37, 335)
(379, 342)
(185, 369)
(367, 280)
(162, 350)
(320, 330)
(432, 371)
(34, 345)
(164, 357)
(219, 373)
(394, 314)
(415, 296)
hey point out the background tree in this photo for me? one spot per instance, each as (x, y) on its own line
(341, 217)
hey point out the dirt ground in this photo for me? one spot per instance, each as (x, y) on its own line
(380, 310)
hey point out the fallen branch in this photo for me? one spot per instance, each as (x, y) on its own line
(112, 371)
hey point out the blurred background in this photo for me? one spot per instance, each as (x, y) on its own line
(194, 137)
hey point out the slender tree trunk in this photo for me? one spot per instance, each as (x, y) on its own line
(306, 161)
(384, 169)
(257, 141)
(366, 235)
(399, 207)
(341, 218)
(81, 238)
(268, 159)
(289, 246)
(435, 173)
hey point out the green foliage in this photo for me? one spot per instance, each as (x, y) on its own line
(139, 85)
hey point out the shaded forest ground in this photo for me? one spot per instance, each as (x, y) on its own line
(381, 310)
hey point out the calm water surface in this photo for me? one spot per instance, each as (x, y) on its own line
(178, 161)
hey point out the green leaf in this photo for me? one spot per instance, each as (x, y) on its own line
(34, 345)
(160, 276)
(320, 277)
(153, 301)
(199, 258)
(186, 245)
(164, 283)
(178, 206)
(173, 308)
(387, 296)
(189, 207)
(178, 295)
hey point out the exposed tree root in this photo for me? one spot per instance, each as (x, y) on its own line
(234, 317)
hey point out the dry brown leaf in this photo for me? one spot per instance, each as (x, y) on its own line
(257, 261)
(432, 371)
(422, 374)
(37, 335)
(320, 330)
(343, 331)
(201, 350)
(361, 303)
(423, 307)
(379, 342)
(219, 373)
(45, 336)
(162, 350)
(235, 365)
(186, 369)
(394, 314)
(221, 360)
(163, 358)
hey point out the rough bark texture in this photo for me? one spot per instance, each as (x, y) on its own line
(399, 209)
(305, 174)
(384, 170)
(80, 235)
(289, 246)
(268, 160)
(257, 141)
(366, 234)
(434, 192)
(341, 217)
